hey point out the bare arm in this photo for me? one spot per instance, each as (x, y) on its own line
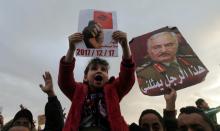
(169, 113)
(73, 40)
(126, 77)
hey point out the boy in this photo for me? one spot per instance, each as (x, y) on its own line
(95, 102)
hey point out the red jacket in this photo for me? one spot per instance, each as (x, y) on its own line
(114, 91)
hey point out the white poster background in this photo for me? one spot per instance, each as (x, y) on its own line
(108, 50)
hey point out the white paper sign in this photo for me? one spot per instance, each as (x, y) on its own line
(97, 28)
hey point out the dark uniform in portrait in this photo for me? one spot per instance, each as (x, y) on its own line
(155, 77)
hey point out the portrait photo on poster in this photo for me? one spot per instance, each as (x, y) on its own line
(165, 59)
(97, 28)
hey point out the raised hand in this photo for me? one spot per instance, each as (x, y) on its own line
(48, 87)
(74, 39)
(121, 37)
(170, 98)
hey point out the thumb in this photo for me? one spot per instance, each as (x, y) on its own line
(41, 86)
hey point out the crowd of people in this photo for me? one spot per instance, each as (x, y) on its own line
(95, 100)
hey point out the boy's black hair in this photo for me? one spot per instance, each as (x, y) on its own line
(148, 111)
(95, 61)
(192, 109)
(199, 102)
(26, 114)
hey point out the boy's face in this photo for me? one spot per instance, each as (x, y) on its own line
(22, 122)
(19, 128)
(204, 105)
(192, 122)
(151, 122)
(97, 75)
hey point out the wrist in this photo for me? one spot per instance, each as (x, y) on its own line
(51, 94)
(170, 107)
(71, 49)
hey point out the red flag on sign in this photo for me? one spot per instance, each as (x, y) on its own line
(104, 18)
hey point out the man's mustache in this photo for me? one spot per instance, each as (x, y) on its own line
(164, 54)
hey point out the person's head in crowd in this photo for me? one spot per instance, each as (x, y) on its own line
(194, 119)
(93, 35)
(19, 128)
(202, 104)
(1, 119)
(23, 118)
(151, 120)
(96, 72)
(162, 47)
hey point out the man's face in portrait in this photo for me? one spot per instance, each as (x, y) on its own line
(162, 47)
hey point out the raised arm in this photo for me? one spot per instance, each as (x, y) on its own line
(66, 80)
(53, 109)
(170, 99)
(73, 40)
(126, 78)
(169, 114)
(121, 37)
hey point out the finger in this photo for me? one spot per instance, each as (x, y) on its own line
(41, 86)
(99, 25)
(167, 91)
(93, 33)
(98, 28)
(115, 36)
(75, 36)
(44, 77)
(119, 35)
(172, 90)
(49, 75)
(118, 32)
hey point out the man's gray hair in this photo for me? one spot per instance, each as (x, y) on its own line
(173, 34)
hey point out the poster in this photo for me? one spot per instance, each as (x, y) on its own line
(41, 119)
(97, 28)
(165, 59)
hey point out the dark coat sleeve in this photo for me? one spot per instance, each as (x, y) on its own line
(54, 115)
(135, 127)
(170, 121)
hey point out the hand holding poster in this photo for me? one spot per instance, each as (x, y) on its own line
(97, 28)
(164, 59)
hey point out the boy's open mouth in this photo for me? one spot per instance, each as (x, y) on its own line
(98, 78)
